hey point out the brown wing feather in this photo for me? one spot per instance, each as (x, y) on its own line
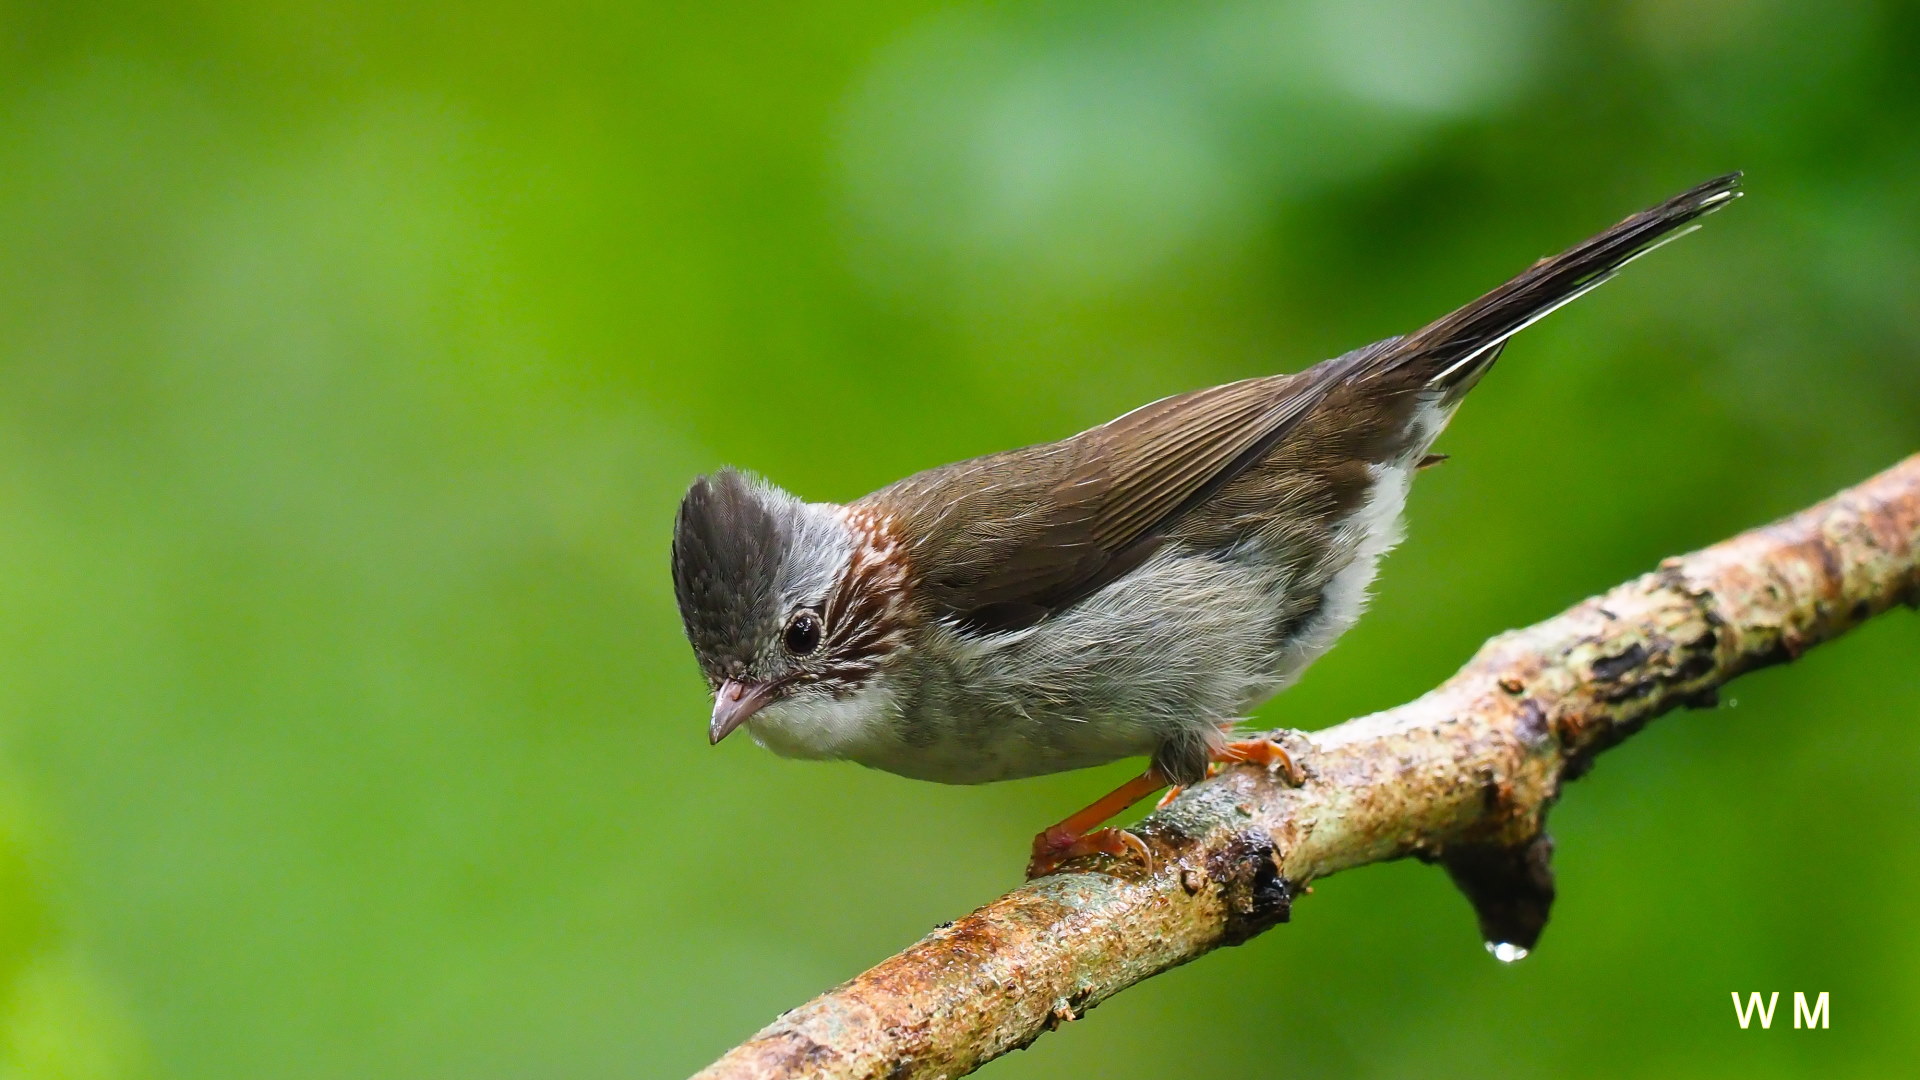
(1000, 542)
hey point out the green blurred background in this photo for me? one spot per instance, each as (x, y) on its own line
(353, 357)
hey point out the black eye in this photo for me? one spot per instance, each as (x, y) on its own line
(803, 633)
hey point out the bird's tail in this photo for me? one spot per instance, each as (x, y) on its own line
(1454, 351)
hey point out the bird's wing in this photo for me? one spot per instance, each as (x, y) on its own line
(1001, 542)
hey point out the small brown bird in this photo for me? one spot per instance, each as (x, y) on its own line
(1131, 590)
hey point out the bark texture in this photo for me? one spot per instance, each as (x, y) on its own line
(1463, 776)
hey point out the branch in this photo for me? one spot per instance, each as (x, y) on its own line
(1462, 776)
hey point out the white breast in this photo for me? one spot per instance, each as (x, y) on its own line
(857, 727)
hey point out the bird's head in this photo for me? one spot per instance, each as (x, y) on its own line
(787, 604)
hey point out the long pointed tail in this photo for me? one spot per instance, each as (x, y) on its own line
(1455, 350)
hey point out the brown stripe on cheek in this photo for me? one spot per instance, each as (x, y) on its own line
(869, 611)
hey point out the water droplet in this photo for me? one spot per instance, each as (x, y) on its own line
(1506, 951)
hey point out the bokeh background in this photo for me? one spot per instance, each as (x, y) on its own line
(353, 357)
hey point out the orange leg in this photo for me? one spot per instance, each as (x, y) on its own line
(1079, 834)
(1261, 752)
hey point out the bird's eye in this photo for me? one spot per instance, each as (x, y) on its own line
(803, 633)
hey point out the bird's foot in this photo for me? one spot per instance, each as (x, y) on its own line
(1171, 794)
(1080, 833)
(1059, 844)
(1261, 751)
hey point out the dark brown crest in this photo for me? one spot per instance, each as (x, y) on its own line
(728, 545)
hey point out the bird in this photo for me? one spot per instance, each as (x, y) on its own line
(1133, 590)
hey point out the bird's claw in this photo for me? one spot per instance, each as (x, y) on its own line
(1056, 846)
(1264, 752)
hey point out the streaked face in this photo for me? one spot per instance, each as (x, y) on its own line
(773, 597)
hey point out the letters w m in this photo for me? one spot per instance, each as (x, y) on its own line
(1745, 1016)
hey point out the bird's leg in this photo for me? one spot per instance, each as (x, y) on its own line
(1079, 833)
(1260, 751)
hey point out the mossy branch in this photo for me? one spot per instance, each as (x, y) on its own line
(1463, 776)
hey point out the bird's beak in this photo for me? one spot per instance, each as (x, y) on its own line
(733, 704)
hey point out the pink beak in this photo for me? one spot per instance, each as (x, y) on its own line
(733, 705)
